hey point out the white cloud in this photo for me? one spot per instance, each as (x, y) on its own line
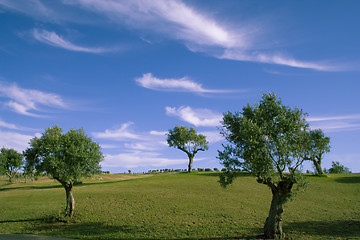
(17, 141)
(119, 134)
(336, 123)
(173, 18)
(197, 117)
(170, 84)
(8, 125)
(213, 136)
(53, 39)
(24, 100)
(140, 159)
(241, 55)
(198, 30)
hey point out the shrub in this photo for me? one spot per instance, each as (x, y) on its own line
(338, 168)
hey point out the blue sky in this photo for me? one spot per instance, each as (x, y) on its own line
(128, 71)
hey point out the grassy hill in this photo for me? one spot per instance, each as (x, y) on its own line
(179, 206)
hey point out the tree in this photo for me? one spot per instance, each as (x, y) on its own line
(319, 146)
(65, 157)
(10, 162)
(336, 167)
(270, 141)
(188, 141)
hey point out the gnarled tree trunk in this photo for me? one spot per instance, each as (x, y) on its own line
(317, 164)
(191, 159)
(70, 201)
(273, 224)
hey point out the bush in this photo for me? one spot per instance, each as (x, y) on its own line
(208, 170)
(200, 169)
(338, 168)
(216, 169)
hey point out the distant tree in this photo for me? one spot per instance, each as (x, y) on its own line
(188, 141)
(319, 145)
(267, 140)
(10, 162)
(65, 157)
(336, 167)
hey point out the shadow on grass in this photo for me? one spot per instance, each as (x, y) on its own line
(351, 179)
(340, 228)
(217, 174)
(99, 230)
(60, 186)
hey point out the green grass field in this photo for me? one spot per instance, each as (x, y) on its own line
(179, 206)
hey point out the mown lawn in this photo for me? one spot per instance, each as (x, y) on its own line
(179, 206)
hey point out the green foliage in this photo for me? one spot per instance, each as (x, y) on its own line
(265, 139)
(336, 167)
(187, 140)
(318, 145)
(65, 157)
(10, 162)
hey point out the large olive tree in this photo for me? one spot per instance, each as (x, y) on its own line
(10, 162)
(270, 141)
(188, 141)
(64, 157)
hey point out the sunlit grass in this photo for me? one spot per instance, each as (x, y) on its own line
(179, 206)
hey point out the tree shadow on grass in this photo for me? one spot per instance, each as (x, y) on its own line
(339, 228)
(350, 179)
(100, 230)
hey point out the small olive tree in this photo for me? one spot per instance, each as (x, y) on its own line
(319, 145)
(65, 157)
(10, 162)
(188, 141)
(270, 141)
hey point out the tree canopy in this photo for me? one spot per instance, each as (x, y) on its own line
(271, 141)
(187, 140)
(10, 162)
(65, 157)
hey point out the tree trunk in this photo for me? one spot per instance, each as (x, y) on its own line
(10, 176)
(318, 169)
(70, 201)
(191, 158)
(273, 224)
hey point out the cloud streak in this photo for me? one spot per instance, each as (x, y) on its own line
(198, 117)
(24, 101)
(53, 39)
(198, 30)
(170, 84)
(336, 123)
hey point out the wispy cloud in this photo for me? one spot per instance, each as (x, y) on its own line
(17, 141)
(170, 84)
(198, 117)
(120, 134)
(53, 39)
(140, 159)
(280, 59)
(25, 101)
(8, 125)
(200, 31)
(336, 123)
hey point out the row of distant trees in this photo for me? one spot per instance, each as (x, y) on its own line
(268, 140)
